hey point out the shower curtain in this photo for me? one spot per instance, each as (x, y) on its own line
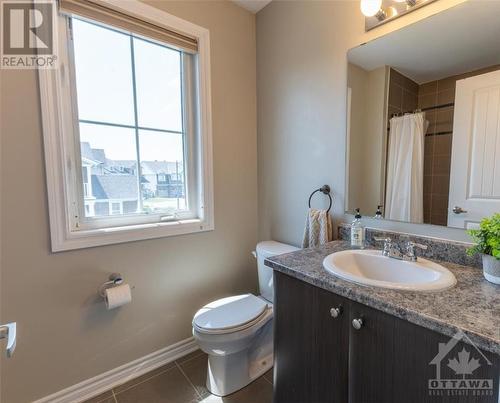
(405, 168)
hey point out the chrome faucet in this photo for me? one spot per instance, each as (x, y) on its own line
(387, 245)
(393, 251)
(410, 250)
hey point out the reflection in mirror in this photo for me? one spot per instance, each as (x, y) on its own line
(423, 113)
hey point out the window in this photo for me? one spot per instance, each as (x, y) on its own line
(135, 121)
(130, 108)
(86, 180)
(116, 208)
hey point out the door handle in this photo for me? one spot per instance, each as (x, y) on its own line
(459, 210)
(9, 331)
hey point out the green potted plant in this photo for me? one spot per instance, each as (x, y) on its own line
(487, 239)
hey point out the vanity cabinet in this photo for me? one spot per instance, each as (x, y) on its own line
(311, 346)
(321, 358)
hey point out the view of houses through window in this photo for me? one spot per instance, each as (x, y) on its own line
(129, 93)
(111, 187)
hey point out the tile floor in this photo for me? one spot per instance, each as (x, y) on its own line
(183, 381)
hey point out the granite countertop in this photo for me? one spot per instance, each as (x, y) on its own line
(472, 305)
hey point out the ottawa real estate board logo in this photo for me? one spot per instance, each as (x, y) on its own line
(458, 369)
(28, 35)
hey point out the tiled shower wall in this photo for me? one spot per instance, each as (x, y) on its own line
(437, 154)
(403, 94)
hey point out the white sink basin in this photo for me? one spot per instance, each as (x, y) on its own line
(370, 267)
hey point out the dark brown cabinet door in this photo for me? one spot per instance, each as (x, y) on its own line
(370, 356)
(310, 345)
(393, 360)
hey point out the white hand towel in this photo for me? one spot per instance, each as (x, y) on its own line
(318, 229)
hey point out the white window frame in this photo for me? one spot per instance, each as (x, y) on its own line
(60, 122)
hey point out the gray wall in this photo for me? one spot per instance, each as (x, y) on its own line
(301, 109)
(65, 334)
(366, 139)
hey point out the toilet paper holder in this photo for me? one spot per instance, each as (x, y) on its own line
(114, 280)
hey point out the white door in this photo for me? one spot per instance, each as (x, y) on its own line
(475, 160)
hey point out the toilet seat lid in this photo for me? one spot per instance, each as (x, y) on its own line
(230, 312)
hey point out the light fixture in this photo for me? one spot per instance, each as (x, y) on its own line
(379, 12)
(370, 7)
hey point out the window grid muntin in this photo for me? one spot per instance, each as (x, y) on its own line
(96, 122)
(135, 217)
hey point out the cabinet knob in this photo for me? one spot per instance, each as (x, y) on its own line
(357, 323)
(336, 312)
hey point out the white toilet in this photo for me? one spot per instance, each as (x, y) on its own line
(237, 332)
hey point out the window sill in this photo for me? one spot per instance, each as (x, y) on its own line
(114, 235)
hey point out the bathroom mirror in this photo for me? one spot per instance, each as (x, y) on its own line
(423, 120)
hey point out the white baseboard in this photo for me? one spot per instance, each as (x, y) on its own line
(108, 380)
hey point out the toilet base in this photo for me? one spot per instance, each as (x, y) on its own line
(228, 374)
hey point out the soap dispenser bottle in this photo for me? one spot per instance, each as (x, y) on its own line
(357, 232)
(378, 213)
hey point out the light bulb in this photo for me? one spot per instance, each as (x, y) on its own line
(391, 12)
(370, 7)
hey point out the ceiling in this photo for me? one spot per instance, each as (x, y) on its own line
(458, 40)
(253, 6)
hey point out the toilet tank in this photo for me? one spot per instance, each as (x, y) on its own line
(264, 250)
